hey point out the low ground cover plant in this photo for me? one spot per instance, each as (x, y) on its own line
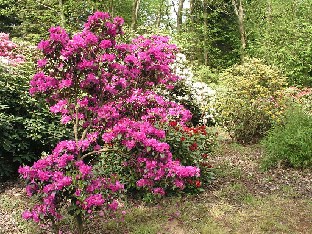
(104, 90)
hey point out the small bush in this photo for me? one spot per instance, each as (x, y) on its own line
(290, 143)
(303, 97)
(251, 99)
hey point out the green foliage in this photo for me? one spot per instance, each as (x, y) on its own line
(8, 17)
(280, 33)
(205, 74)
(251, 100)
(31, 19)
(290, 141)
(210, 34)
(26, 126)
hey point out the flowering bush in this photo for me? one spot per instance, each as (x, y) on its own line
(7, 53)
(195, 95)
(252, 99)
(103, 89)
(188, 145)
(192, 146)
(303, 97)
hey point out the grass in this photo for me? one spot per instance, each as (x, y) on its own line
(199, 214)
(271, 214)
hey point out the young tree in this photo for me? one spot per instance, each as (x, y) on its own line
(180, 15)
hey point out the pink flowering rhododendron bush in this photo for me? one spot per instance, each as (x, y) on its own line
(104, 89)
(7, 54)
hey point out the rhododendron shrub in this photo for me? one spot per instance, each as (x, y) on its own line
(192, 146)
(7, 54)
(104, 89)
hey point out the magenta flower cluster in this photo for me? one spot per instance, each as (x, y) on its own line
(7, 53)
(104, 89)
(60, 175)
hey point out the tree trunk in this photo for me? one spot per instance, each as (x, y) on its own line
(206, 45)
(180, 15)
(192, 12)
(135, 11)
(62, 15)
(160, 14)
(239, 12)
(79, 222)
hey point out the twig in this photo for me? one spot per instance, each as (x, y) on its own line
(96, 152)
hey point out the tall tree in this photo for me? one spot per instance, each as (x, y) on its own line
(239, 12)
(205, 30)
(180, 15)
(160, 13)
(209, 35)
(135, 11)
(62, 15)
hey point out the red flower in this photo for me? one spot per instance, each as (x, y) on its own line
(173, 123)
(197, 183)
(182, 139)
(204, 155)
(193, 147)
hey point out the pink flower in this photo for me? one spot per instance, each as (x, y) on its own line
(105, 44)
(42, 62)
(116, 187)
(27, 215)
(179, 184)
(159, 191)
(93, 200)
(113, 205)
(65, 119)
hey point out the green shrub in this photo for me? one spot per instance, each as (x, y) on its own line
(250, 100)
(26, 126)
(205, 74)
(290, 142)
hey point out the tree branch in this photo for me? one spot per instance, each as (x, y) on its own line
(96, 152)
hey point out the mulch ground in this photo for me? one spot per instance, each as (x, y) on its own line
(243, 166)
